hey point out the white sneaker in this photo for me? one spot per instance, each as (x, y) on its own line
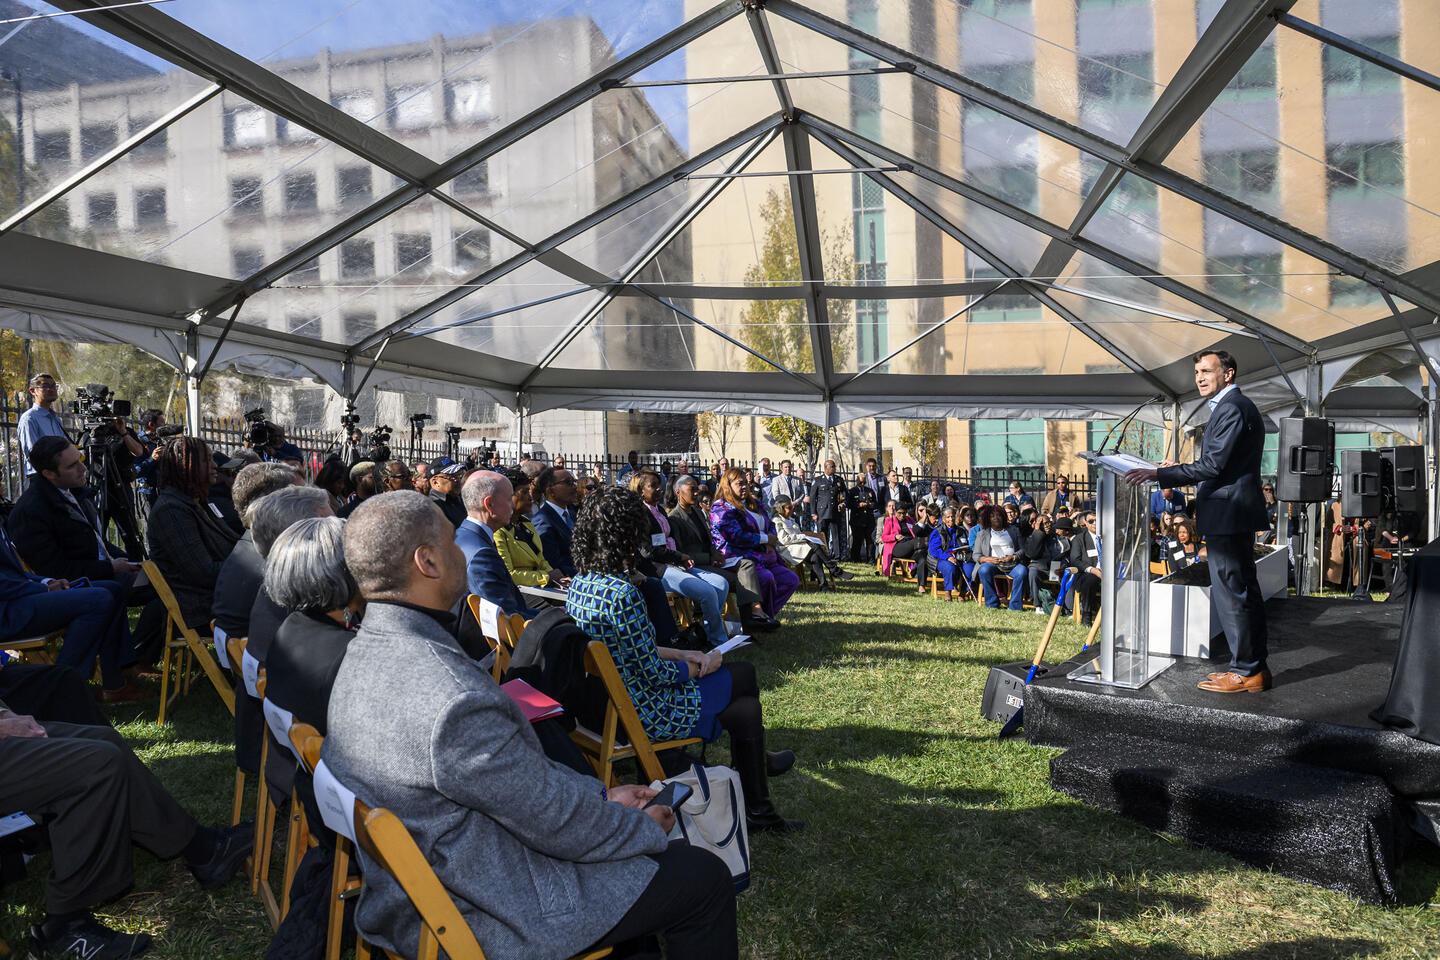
(1039, 611)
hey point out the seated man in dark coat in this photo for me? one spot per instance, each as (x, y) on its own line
(489, 500)
(554, 516)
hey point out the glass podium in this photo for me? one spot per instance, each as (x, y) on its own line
(1123, 511)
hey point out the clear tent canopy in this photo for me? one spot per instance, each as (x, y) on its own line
(828, 209)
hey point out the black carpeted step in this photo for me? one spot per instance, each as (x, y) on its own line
(1328, 827)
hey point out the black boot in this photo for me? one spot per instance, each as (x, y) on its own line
(750, 762)
(778, 762)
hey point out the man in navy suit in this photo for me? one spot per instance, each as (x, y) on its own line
(554, 516)
(1229, 509)
(489, 504)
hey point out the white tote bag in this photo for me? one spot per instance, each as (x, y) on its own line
(714, 817)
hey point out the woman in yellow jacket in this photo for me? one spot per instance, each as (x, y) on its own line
(519, 544)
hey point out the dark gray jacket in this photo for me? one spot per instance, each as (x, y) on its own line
(538, 863)
(189, 544)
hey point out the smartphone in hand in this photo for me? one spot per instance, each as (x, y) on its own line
(673, 796)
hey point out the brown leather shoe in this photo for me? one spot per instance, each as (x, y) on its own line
(1237, 683)
(127, 693)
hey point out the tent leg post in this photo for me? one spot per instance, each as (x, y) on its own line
(192, 382)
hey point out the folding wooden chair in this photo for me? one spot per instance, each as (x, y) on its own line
(234, 648)
(297, 839)
(264, 840)
(500, 629)
(183, 648)
(601, 748)
(307, 742)
(386, 841)
(36, 649)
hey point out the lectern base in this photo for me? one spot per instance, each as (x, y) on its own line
(1131, 670)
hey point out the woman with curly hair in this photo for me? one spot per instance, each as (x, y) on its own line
(677, 693)
(736, 531)
(188, 540)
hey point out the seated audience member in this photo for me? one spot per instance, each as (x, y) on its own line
(584, 486)
(1187, 547)
(1042, 553)
(365, 478)
(896, 526)
(1013, 517)
(271, 516)
(1058, 497)
(221, 496)
(1062, 512)
(1017, 495)
(949, 492)
(948, 549)
(56, 528)
(397, 476)
(1157, 541)
(1064, 529)
(420, 470)
(554, 516)
(676, 571)
(334, 479)
(1166, 499)
(47, 692)
(935, 497)
(917, 548)
(92, 617)
(518, 542)
(446, 478)
(690, 526)
(489, 503)
(464, 772)
(796, 546)
(997, 551)
(678, 693)
(734, 532)
(305, 573)
(94, 799)
(1085, 558)
(244, 570)
(188, 541)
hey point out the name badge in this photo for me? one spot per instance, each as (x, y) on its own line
(216, 510)
(221, 654)
(657, 540)
(1092, 553)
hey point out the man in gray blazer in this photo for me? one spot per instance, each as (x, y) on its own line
(541, 861)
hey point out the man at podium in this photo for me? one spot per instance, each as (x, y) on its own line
(1229, 509)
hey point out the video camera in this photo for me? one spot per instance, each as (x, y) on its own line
(378, 444)
(261, 433)
(97, 408)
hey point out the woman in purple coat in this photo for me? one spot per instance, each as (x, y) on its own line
(736, 531)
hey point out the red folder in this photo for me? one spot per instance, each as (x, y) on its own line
(534, 704)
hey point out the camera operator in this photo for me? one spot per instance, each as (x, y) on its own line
(268, 440)
(40, 420)
(110, 450)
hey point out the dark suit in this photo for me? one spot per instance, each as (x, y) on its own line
(691, 531)
(301, 666)
(57, 538)
(555, 535)
(827, 505)
(1084, 554)
(1229, 509)
(903, 499)
(189, 544)
(485, 570)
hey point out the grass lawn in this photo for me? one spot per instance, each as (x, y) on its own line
(927, 837)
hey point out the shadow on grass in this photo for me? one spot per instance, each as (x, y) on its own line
(1309, 948)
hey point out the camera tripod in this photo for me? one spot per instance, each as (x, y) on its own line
(114, 498)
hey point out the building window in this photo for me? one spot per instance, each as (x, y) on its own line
(244, 127)
(1142, 439)
(288, 132)
(1007, 443)
(354, 185)
(154, 146)
(52, 147)
(1003, 307)
(411, 249)
(1018, 185)
(473, 182)
(1354, 167)
(1258, 74)
(1015, 80)
(299, 323)
(468, 101)
(360, 105)
(357, 325)
(411, 108)
(247, 197)
(1118, 78)
(474, 410)
(357, 259)
(1347, 74)
(95, 140)
(307, 272)
(150, 207)
(245, 261)
(1249, 282)
(300, 192)
(1351, 292)
(1243, 173)
(102, 211)
(472, 251)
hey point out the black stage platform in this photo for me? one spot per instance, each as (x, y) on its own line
(1331, 660)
